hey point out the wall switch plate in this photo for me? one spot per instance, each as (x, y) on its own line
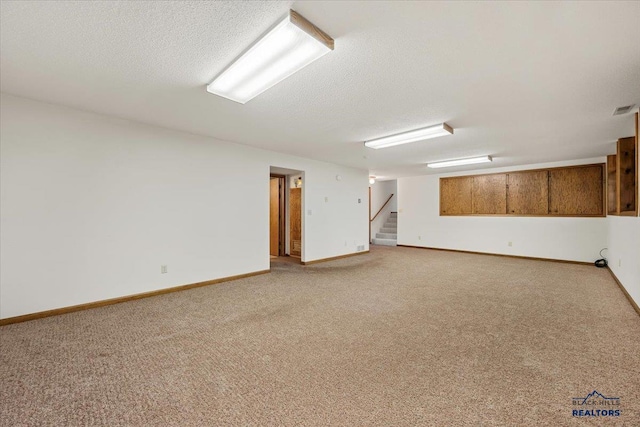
(510, 243)
(359, 200)
(309, 212)
(164, 269)
(326, 199)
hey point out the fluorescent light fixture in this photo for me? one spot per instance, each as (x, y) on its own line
(413, 135)
(460, 162)
(288, 47)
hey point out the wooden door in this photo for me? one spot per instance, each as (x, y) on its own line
(528, 192)
(295, 222)
(490, 194)
(274, 217)
(455, 195)
(577, 191)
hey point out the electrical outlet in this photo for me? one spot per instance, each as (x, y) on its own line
(619, 263)
(510, 243)
(419, 237)
(345, 243)
(163, 269)
(326, 199)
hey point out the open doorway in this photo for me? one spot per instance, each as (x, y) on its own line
(383, 213)
(285, 215)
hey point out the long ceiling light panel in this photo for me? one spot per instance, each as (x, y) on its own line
(460, 162)
(441, 129)
(290, 46)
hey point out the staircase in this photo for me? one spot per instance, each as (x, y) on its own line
(388, 235)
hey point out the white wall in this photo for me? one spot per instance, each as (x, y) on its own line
(624, 252)
(420, 224)
(380, 192)
(91, 206)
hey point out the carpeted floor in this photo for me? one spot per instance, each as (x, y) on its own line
(397, 337)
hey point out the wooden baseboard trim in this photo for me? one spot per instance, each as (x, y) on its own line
(624, 291)
(502, 255)
(118, 300)
(333, 258)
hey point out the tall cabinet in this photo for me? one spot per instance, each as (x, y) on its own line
(622, 177)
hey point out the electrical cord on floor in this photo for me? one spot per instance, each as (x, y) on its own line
(602, 262)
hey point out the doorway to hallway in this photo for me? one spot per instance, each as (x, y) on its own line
(285, 213)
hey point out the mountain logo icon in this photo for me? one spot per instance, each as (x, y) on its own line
(595, 394)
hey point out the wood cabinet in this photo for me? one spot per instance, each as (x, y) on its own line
(295, 222)
(489, 194)
(455, 196)
(626, 172)
(568, 191)
(528, 192)
(622, 177)
(577, 191)
(612, 187)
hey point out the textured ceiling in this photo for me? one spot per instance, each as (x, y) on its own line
(523, 82)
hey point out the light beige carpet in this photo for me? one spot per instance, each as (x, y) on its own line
(397, 337)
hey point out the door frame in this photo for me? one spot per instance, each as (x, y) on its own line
(282, 217)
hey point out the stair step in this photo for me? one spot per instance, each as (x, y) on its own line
(393, 215)
(389, 230)
(386, 236)
(390, 225)
(385, 242)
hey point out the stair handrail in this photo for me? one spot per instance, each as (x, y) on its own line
(380, 210)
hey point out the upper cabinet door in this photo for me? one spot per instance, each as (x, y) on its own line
(455, 195)
(490, 194)
(577, 191)
(528, 192)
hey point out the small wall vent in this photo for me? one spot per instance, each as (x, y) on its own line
(623, 110)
